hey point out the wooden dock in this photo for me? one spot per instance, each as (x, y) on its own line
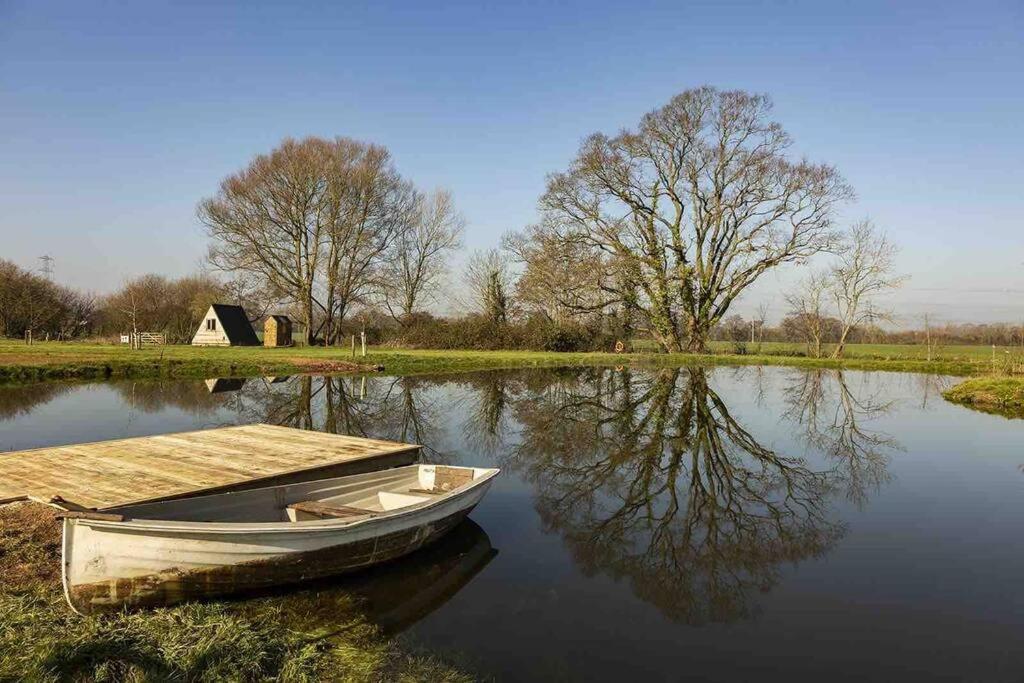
(109, 474)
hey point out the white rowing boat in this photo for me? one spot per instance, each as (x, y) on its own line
(163, 553)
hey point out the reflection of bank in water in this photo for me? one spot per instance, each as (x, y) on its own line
(397, 595)
(221, 385)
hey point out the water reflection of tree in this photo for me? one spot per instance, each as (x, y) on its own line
(648, 476)
(397, 408)
(836, 421)
(650, 479)
(486, 407)
(22, 399)
(152, 396)
(931, 387)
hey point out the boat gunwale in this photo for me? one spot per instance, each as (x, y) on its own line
(311, 526)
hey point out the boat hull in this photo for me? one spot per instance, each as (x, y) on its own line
(110, 566)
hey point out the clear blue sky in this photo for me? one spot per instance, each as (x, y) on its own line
(116, 118)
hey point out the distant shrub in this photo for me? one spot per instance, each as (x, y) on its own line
(480, 333)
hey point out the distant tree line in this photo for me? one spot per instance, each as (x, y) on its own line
(154, 303)
(32, 306)
(791, 329)
(505, 315)
(652, 233)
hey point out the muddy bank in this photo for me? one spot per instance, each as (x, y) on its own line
(30, 537)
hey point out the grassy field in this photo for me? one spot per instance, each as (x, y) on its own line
(56, 360)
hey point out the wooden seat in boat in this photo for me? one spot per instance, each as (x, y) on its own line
(323, 511)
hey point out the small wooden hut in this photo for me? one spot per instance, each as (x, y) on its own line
(225, 325)
(277, 331)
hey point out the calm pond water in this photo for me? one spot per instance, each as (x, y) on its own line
(718, 524)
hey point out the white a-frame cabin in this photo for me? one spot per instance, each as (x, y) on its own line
(225, 325)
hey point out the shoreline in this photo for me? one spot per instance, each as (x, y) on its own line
(71, 361)
(53, 361)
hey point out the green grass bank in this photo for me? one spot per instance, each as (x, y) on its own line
(999, 395)
(56, 360)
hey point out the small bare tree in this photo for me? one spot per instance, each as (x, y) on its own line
(807, 306)
(419, 258)
(758, 324)
(865, 270)
(489, 280)
(130, 309)
(561, 279)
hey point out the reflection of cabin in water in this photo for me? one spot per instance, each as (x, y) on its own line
(221, 385)
(225, 325)
(277, 331)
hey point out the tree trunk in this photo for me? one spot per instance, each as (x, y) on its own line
(307, 315)
(697, 336)
(668, 340)
(697, 343)
(665, 331)
(838, 353)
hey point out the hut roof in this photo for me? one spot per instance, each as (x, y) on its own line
(235, 324)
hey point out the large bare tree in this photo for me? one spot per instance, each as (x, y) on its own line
(413, 270)
(374, 208)
(312, 218)
(272, 217)
(692, 206)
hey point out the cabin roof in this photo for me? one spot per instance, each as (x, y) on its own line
(235, 324)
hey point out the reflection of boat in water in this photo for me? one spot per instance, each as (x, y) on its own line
(397, 595)
(209, 546)
(393, 596)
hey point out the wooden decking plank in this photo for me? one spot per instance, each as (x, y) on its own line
(177, 467)
(247, 461)
(122, 471)
(163, 473)
(306, 435)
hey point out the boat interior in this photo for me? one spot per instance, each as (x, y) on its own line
(353, 497)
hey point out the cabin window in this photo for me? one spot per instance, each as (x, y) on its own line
(211, 324)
